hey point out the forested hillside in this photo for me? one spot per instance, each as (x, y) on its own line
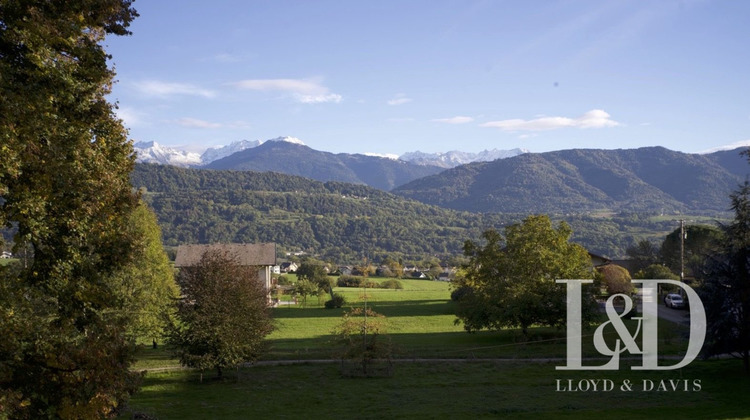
(338, 221)
(653, 179)
(297, 159)
(347, 222)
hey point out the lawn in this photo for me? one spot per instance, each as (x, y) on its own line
(420, 323)
(440, 390)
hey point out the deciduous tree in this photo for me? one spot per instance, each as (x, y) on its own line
(64, 182)
(223, 314)
(511, 279)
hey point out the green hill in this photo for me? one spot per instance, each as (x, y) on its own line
(651, 179)
(345, 222)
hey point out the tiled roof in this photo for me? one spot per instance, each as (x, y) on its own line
(245, 254)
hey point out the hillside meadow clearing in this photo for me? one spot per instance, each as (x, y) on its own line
(484, 374)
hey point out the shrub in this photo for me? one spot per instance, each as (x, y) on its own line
(391, 284)
(337, 301)
(356, 281)
(284, 281)
(460, 293)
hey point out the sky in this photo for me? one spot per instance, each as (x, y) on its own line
(390, 77)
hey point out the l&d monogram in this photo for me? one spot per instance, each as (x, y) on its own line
(647, 324)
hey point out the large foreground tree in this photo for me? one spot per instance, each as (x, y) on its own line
(510, 281)
(726, 285)
(223, 314)
(64, 188)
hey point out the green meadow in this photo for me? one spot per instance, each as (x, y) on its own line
(440, 371)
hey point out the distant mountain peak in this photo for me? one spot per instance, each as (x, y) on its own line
(288, 139)
(153, 152)
(455, 158)
(216, 153)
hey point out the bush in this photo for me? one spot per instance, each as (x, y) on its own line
(337, 301)
(459, 293)
(391, 284)
(284, 281)
(356, 281)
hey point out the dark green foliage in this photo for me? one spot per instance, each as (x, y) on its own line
(700, 242)
(650, 179)
(643, 254)
(223, 314)
(64, 183)
(356, 281)
(336, 301)
(391, 284)
(316, 274)
(341, 222)
(725, 292)
(512, 278)
(656, 271)
(458, 293)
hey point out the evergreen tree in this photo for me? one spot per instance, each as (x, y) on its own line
(147, 284)
(726, 288)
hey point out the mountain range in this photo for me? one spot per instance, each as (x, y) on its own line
(651, 179)
(152, 152)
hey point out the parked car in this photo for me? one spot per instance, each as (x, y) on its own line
(673, 300)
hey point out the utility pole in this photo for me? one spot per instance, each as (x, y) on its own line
(682, 250)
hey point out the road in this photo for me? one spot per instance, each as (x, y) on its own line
(679, 316)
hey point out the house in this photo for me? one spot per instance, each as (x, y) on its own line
(288, 267)
(6, 255)
(262, 255)
(598, 260)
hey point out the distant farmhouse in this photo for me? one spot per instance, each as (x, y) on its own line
(262, 255)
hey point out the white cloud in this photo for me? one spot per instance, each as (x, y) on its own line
(399, 99)
(317, 99)
(196, 123)
(595, 118)
(454, 120)
(306, 91)
(129, 116)
(164, 89)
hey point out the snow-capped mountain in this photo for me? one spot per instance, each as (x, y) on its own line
(153, 152)
(288, 139)
(456, 158)
(215, 153)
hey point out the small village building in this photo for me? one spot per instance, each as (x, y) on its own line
(261, 255)
(288, 267)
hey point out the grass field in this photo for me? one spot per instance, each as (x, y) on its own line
(420, 324)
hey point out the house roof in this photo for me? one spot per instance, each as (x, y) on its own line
(245, 254)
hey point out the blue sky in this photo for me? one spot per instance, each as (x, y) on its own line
(391, 77)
